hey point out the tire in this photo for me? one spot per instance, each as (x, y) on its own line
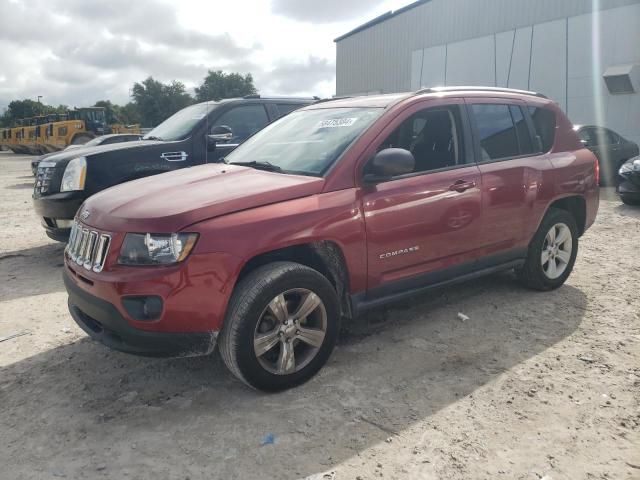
(252, 313)
(627, 200)
(540, 275)
(81, 139)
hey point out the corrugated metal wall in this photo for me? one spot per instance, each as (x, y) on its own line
(378, 59)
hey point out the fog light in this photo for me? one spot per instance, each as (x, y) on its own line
(143, 308)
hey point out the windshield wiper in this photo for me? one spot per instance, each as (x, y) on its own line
(152, 137)
(269, 167)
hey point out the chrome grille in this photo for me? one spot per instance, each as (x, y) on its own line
(43, 179)
(88, 248)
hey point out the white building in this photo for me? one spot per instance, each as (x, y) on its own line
(585, 54)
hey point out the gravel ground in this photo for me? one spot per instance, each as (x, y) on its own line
(533, 385)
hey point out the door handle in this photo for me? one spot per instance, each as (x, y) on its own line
(462, 185)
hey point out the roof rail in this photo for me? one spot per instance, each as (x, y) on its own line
(478, 89)
(278, 97)
(322, 100)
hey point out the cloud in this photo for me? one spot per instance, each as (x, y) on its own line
(326, 11)
(76, 52)
(297, 77)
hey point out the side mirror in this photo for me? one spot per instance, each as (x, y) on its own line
(389, 163)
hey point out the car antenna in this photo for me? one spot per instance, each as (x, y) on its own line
(206, 133)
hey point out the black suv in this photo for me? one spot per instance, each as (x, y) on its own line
(611, 149)
(201, 133)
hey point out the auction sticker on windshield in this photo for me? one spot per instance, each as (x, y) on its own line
(336, 122)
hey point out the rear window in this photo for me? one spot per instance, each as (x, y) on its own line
(285, 108)
(497, 132)
(544, 122)
(522, 129)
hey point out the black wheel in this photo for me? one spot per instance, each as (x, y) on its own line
(552, 252)
(281, 326)
(627, 200)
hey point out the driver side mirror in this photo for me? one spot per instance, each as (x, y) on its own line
(221, 134)
(389, 163)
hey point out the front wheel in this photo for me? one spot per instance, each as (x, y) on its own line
(627, 200)
(552, 252)
(281, 326)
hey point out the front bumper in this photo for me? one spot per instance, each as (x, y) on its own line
(103, 322)
(629, 190)
(58, 206)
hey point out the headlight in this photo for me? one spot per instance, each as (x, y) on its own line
(630, 166)
(156, 248)
(74, 175)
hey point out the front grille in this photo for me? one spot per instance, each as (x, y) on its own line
(88, 248)
(43, 179)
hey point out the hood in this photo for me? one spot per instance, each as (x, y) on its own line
(172, 201)
(44, 157)
(64, 156)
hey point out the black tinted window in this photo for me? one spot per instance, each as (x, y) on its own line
(544, 122)
(610, 137)
(522, 129)
(243, 121)
(284, 108)
(498, 137)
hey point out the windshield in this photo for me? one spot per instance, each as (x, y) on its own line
(179, 125)
(306, 142)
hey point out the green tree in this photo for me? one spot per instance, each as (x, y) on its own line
(112, 111)
(26, 108)
(218, 85)
(156, 101)
(130, 114)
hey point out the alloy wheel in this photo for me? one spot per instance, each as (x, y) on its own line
(556, 251)
(290, 331)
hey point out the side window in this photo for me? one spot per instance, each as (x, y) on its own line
(243, 121)
(611, 137)
(584, 134)
(434, 136)
(598, 136)
(544, 122)
(284, 108)
(497, 132)
(522, 129)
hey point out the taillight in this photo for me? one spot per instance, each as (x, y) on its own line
(597, 167)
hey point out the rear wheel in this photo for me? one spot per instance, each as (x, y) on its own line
(552, 252)
(281, 326)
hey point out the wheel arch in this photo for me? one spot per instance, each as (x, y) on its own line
(324, 256)
(576, 205)
(76, 135)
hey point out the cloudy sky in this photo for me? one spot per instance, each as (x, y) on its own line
(76, 52)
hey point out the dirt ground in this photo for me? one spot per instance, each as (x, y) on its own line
(533, 385)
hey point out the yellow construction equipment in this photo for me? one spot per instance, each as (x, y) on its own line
(50, 133)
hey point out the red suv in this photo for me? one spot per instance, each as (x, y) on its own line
(334, 209)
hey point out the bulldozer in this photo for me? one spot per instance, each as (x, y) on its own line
(54, 132)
